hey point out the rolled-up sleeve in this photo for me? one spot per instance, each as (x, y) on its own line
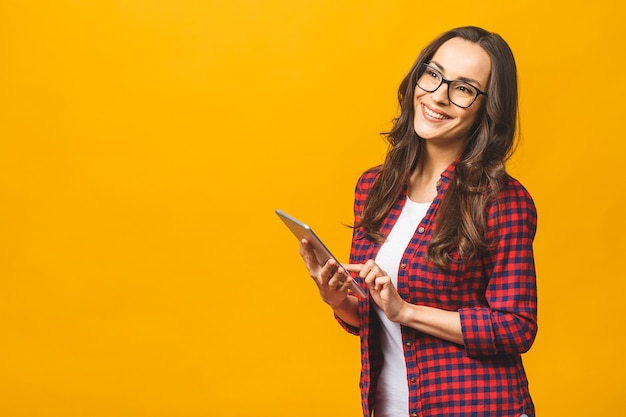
(508, 324)
(347, 327)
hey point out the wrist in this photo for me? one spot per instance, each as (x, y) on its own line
(403, 313)
(339, 305)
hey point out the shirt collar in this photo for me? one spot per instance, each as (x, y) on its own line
(449, 172)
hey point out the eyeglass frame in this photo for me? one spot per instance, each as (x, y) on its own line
(426, 66)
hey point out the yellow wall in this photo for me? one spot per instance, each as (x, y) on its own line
(145, 144)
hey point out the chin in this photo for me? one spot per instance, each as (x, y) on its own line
(426, 133)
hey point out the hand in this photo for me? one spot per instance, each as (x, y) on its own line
(381, 288)
(331, 279)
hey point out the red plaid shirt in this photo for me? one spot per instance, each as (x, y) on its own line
(495, 295)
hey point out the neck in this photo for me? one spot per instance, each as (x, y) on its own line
(434, 160)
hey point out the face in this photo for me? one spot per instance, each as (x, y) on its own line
(436, 119)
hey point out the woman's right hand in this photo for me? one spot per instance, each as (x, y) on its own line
(331, 279)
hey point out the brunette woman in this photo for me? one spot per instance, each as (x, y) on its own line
(443, 242)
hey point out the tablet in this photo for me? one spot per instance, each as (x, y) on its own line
(302, 231)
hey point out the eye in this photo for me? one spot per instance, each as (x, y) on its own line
(464, 89)
(433, 73)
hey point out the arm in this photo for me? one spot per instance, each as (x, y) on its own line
(348, 311)
(433, 321)
(508, 324)
(333, 283)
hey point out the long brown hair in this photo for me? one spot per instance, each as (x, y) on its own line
(480, 173)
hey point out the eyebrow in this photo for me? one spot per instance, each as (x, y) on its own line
(464, 79)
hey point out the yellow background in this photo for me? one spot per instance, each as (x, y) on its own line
(146, 143)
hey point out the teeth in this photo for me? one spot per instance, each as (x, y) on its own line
(433, 114)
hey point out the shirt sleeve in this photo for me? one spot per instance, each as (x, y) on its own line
(347, 327)
(508, 325)
(362, 188)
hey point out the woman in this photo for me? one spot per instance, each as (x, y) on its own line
(443, 242)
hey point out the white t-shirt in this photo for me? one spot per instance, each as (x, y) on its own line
(392, 392)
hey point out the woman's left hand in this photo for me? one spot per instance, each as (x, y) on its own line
(381, 288)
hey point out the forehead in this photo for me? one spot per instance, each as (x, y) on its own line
(462, 59)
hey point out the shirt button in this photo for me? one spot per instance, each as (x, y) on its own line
(421, 229)
(408, 344)
(403, 265)
(438, 184)
(413, 381)
(413, 414)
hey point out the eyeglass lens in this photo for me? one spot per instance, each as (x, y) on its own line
(460, 93)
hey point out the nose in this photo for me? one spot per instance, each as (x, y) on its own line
(440, 95)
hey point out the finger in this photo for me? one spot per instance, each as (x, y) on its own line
(371, 265)
(382, 282)
(373, 275)
(340, 279)
(341, 286)
(377, 284)
(306, 251)
(306, 247)
(339, 283)
(363, 270)
(353, 267)
(329, 270)
(372, 272)
(370, 280)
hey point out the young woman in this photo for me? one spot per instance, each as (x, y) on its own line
(443, 242)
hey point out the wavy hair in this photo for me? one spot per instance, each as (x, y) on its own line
(480, 173)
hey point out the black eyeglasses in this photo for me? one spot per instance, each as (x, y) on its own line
(460, 93)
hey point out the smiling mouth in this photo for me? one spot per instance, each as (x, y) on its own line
(434, 114)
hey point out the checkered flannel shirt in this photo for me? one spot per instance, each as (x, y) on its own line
(497, 300)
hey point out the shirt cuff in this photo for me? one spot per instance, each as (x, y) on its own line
(347, 327)
(478, 335)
